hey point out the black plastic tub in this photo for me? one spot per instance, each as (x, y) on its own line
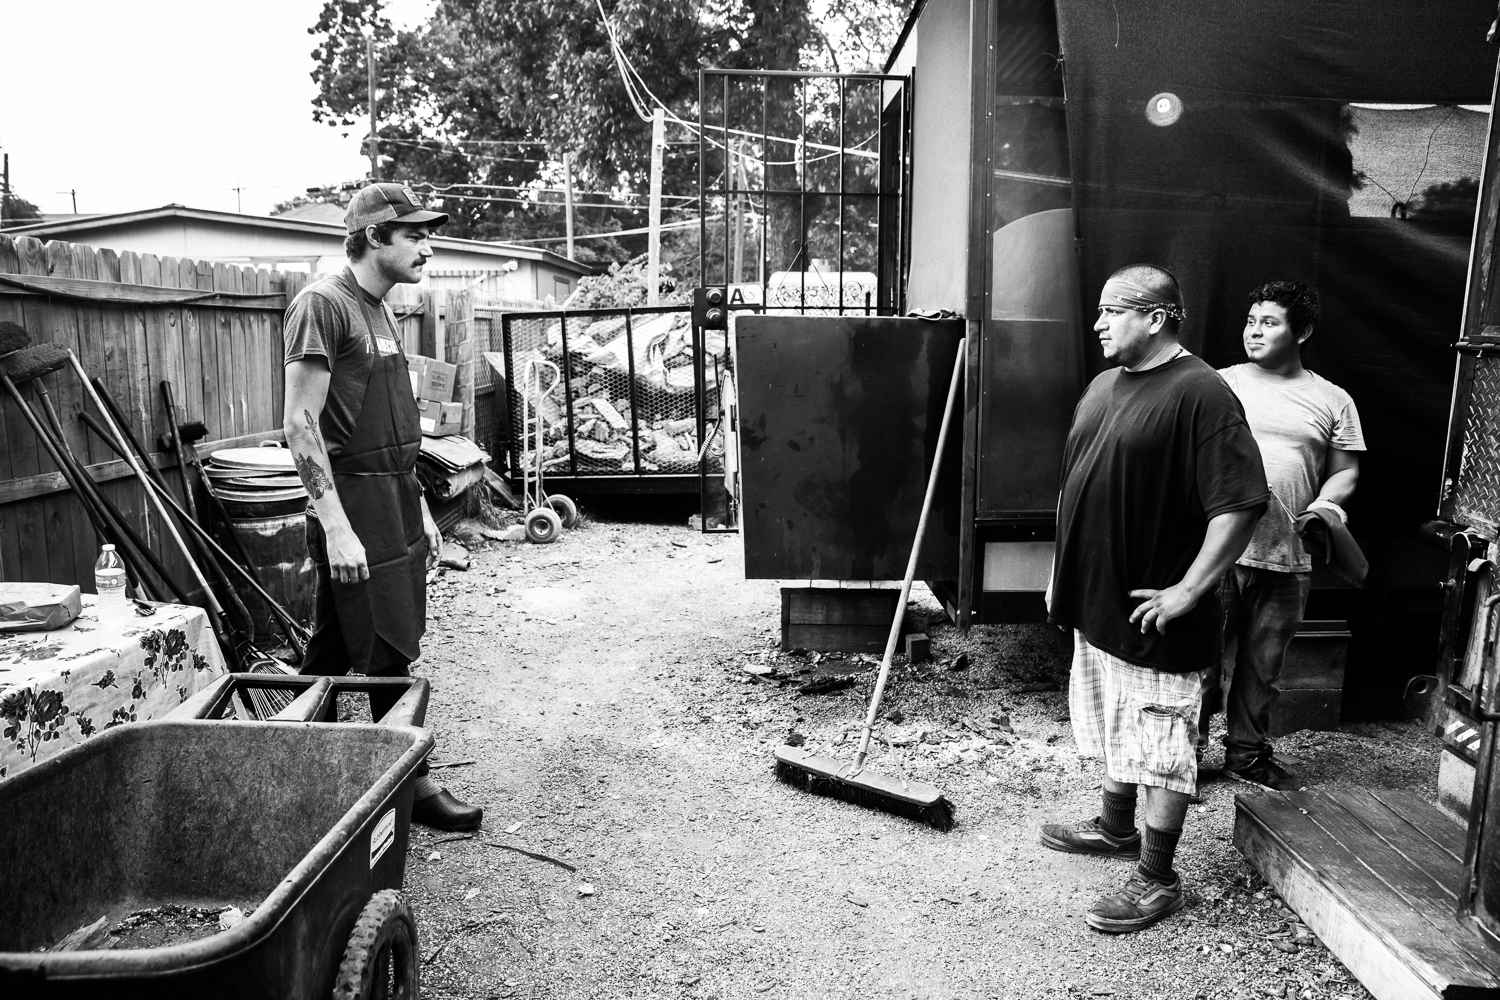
(310, 819)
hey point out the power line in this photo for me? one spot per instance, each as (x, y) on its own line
(440, 188)
(425, 188)
(619, 232)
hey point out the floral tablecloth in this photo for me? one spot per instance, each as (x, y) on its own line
(59, 688)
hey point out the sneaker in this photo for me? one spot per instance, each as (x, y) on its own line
(1089, 837)
(1266, 773)
(1140, 904)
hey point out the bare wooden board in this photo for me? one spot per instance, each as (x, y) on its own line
(1374, 875)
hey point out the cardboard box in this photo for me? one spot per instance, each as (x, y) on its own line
(432, 379)
(440, 419)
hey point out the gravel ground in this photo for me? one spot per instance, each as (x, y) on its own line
(619, 694)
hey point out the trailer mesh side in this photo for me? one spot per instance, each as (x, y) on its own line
(1476, 490)
(632, 400)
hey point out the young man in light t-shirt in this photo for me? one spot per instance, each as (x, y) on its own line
(1309, 437)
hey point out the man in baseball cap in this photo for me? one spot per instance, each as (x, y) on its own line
(353, 428)
(388, 202)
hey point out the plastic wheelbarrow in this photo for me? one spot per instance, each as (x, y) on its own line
(308, 818)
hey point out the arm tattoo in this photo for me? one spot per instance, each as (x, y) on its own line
(312, 427)
(313, 477)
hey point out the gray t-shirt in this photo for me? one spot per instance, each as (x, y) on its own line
(325, 320)
(1295, 423)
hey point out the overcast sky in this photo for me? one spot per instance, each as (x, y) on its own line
(138, 105)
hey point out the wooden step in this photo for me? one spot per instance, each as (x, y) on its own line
(1375, 874)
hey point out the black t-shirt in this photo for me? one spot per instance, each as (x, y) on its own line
(1151, 457)
(326, 320)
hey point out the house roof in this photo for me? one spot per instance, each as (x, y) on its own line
(316, 211)
(81, 226)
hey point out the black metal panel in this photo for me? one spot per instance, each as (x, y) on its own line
(838, 427)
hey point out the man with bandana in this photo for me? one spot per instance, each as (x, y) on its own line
(1162, 486)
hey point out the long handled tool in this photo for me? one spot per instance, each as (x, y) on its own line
(241, 619)
(16, 360)
(296, 635)
(184, 438)
(90, 493)
(106, 529)
(830, 776)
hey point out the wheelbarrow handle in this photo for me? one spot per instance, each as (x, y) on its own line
(201, 704)
(309, 705)
(411, 708)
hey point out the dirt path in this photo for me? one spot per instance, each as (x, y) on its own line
(603, 699)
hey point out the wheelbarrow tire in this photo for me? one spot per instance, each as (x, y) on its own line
(543, 526)
(382, 950)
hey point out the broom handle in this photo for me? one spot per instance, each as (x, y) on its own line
(146, 484)
(911, 563)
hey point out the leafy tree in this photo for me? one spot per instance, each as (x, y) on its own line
(478, 105)
(13, 208)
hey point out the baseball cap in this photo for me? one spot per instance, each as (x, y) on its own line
(387, 202)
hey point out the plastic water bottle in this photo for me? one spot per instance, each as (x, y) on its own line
(109, 584)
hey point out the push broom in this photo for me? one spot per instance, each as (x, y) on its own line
(830, 776)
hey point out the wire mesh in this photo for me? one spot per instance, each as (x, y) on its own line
(630, 400)
(1476, 495)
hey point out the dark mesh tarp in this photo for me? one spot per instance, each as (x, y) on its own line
(1318, 141)
(1259, 179)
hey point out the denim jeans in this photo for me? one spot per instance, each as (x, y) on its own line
(1262, 609)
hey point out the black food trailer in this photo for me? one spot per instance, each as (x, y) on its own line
(1047, 144)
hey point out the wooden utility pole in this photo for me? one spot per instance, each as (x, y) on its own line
(374, 133)
(5, 189)
(653, 252)
(568, 198)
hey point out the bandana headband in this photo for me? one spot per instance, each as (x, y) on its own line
(1129, 295)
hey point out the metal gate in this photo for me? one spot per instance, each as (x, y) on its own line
(802, 181)
(637, 390)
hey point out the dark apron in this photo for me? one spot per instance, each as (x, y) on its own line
(375, 474)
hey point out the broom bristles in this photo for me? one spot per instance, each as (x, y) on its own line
(34, 362)
(13, 337)
(938, 815)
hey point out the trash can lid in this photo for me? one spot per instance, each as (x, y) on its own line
(264, 459)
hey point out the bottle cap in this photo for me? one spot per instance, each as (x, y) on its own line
(108, 548)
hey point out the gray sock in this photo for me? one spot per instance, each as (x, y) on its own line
(427, 787)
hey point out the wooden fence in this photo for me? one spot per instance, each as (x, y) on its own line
(134, 320)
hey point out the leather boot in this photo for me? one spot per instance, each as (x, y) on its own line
(444, 812)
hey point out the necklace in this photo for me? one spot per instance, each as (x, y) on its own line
(1161, 364)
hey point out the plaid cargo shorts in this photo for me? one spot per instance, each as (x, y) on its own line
(1143, 723)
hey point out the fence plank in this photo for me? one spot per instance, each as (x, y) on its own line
(208, 344)
(69, 535)
(189, 392)
(458, 328)
(177, 333)
(13, 430)
(31, 459)
(244, 362)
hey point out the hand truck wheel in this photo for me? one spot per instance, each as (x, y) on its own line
(381, 961)
(543, 526)
(567, 510)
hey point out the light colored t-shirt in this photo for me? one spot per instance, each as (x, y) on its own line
(1295, 423)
